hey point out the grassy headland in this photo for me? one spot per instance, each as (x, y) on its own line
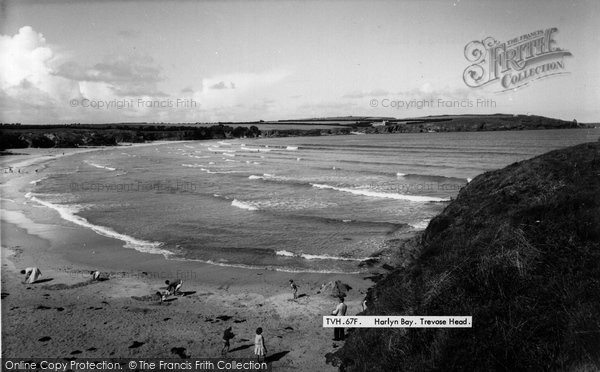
(519, 250)
(77, 135)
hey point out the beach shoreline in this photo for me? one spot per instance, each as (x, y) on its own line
(33, 235)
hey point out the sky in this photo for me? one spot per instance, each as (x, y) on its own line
(66, 61)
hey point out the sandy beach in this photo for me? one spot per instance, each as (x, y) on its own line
(66, 315)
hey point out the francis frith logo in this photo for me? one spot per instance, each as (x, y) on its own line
(515, 63)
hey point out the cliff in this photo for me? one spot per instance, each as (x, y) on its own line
(519, 250)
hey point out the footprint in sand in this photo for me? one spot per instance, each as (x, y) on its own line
(224, 317)
(42, 307)
(3, 295)
(165, 319)
(75, 352)
(45, 338)
(92, 349)
(136, 344)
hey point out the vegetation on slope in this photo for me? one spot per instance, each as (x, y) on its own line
(519, 250)
(45, 136)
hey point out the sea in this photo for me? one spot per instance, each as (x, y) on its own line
(296, 204)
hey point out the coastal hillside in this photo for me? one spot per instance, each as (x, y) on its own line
(47, 136)
(519, 250)
(76, 135)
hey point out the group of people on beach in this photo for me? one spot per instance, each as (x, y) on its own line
(260, 350)
(32, 274)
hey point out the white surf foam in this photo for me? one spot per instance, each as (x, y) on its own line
(270, 268)
(208, 171)
(217, 149)
(68, 214)
(292, 148)
(400, 174)
(254, 149)
(469, 180)
(317, 257)
(243, 205)
(99, 166)
(34, 182)
(376, 194)
(421, 225)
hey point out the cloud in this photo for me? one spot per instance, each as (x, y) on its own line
(226, 91)
(38, 85)
(27, 82)
(24, 56)
(125, 75)
(373, 93)
(222, 85)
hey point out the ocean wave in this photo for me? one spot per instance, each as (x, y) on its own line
(292, 148)
(69, 214)
(265, 176)
(376, 194)
(99, 166)
(318, 257)
(217, 149)
(243, 205)
(254, 149)
(254, 177)
(208, 171)
(421, 225)
(35, 182)
(269, 268)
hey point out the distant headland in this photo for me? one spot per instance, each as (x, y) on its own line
(16, 135)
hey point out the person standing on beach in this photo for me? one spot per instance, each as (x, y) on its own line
(31, 274)
(227, 335)
(340, 310)
(260, 350)
(294, 288)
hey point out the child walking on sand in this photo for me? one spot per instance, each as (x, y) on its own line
(294, 288)
(259, 345)
(227, 335)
